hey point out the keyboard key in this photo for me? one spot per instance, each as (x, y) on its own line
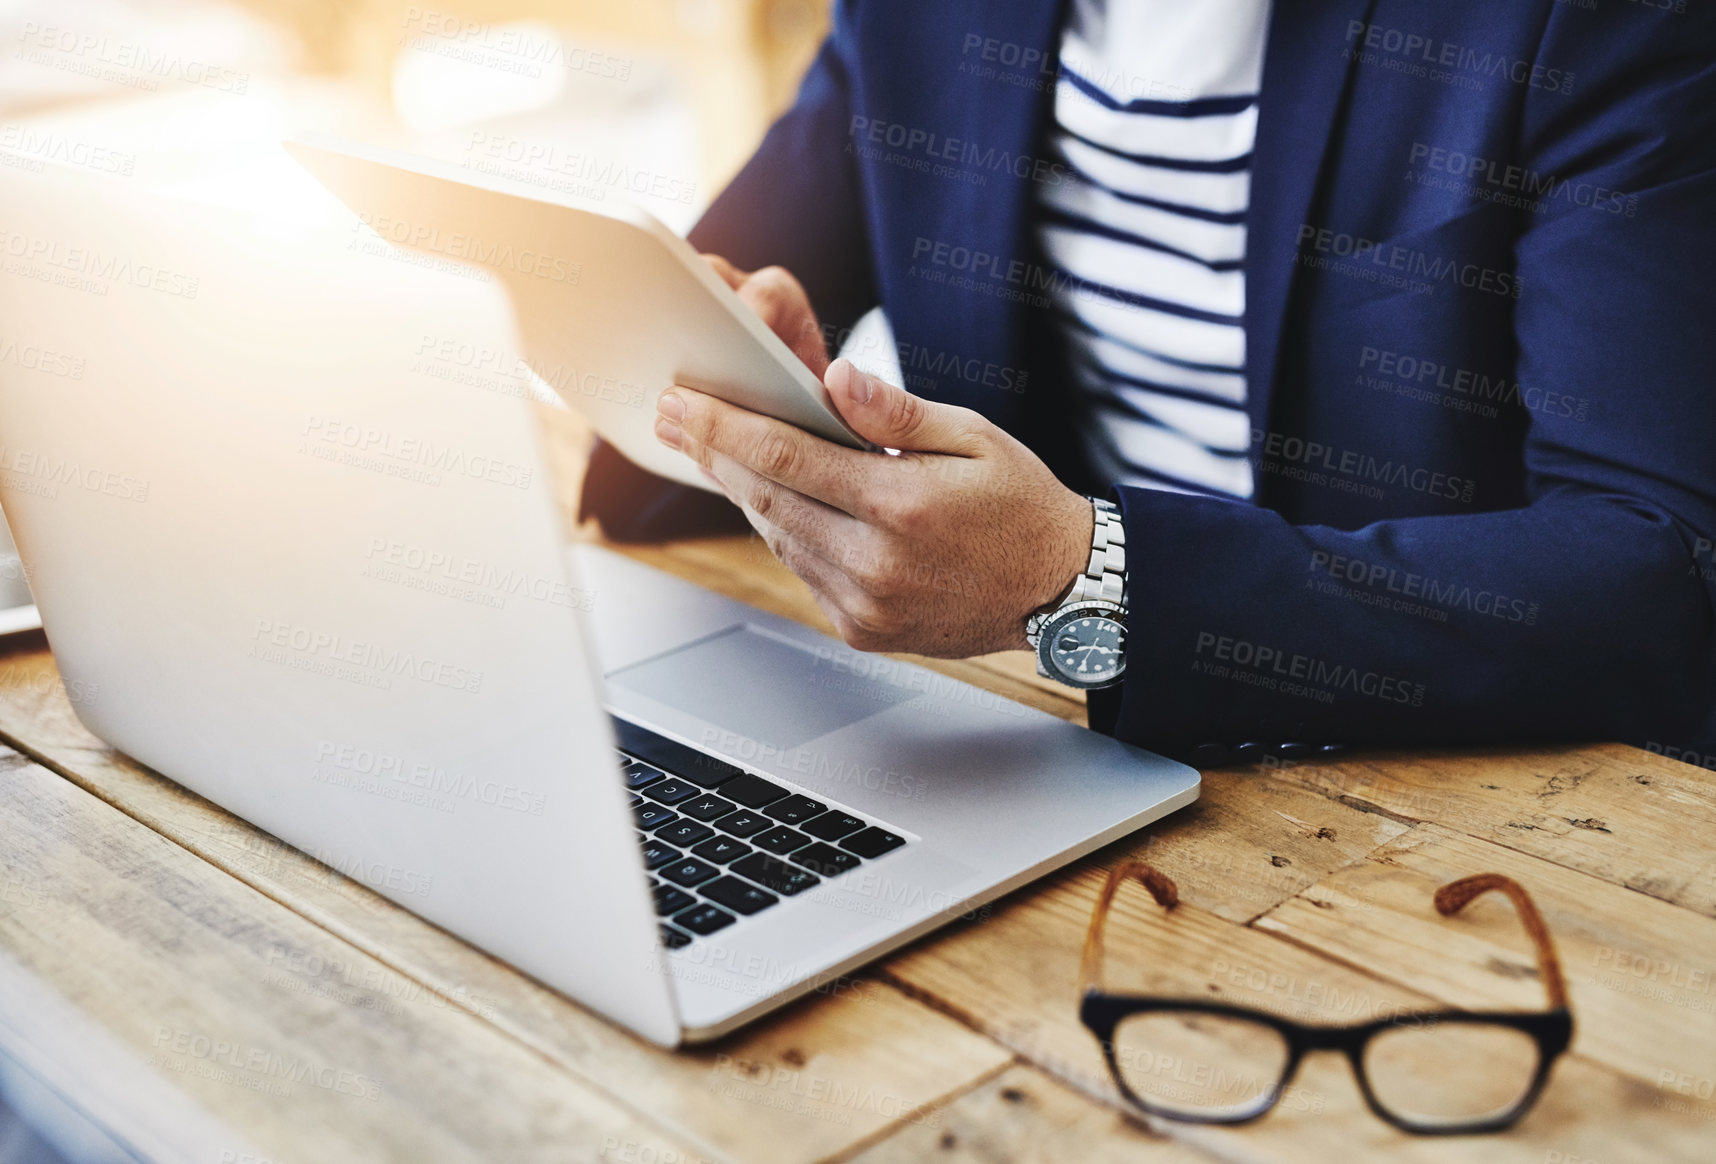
(738, 895)
(831, 826)
(671, 900)
(672, 757)
(722, 850)
(796, 809)
(670, 791)
(673, 939)
(689, 871)
(650, 816)
(704, 919)
(684, 833)
(658, 853)
(635, 800)
(743, 823)
(775, 875)
(706, 807)
(638, 775)
(872, 842)
(752, 791)
(825, 859)
(780, 840)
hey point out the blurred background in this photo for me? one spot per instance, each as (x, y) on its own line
(663, 97)
(654, 102)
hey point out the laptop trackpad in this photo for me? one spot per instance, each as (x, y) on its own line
(761, 685)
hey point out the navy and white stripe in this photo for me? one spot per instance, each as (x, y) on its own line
(1154, 118)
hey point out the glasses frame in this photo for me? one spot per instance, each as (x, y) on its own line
(1551, 1030)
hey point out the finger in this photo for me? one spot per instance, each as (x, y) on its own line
(895, 419)
(781, 302)
(733, 277)
(805, 519)
(698, 425)
(854, 612)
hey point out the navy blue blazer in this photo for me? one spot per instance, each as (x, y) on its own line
(1480, 342)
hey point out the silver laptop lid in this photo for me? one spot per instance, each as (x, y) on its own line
(291, 536)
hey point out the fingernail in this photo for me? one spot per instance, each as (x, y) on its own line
(667, 432)
(671, 405)
(857, 386)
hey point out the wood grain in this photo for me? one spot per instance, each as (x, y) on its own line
(1305, 888)
(1618, 813)
(869, 1052)
(1024, 1117)
(1641, 973)
(207, 980)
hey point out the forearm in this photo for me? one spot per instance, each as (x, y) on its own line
(1520, 624)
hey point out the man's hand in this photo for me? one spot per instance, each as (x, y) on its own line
(942, 550)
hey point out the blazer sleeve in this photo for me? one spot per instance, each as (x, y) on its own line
(1601, 586)
(796, 204)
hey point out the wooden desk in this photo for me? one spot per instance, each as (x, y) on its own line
(166, 922)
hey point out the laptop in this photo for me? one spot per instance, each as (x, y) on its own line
(294, 538)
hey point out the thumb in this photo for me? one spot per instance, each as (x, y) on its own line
(895, 419)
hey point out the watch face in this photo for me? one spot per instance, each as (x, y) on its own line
(1085, 649)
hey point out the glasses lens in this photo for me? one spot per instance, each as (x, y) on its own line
(1447, 1073)
(1200, 1064)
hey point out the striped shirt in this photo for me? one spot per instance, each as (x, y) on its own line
(1155, 112)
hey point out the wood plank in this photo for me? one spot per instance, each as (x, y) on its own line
(1024, 1117)
(1014, 978)
(1641, 973)
(858, 1037)
(1618, 813)
(179, 960)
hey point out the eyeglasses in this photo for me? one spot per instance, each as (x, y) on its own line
(1430, 1072)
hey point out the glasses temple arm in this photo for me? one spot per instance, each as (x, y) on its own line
(1160, 887)
(1456, 895)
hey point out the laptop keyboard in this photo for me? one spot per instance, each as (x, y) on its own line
(722, 844)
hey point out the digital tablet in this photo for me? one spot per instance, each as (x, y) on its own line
(612, 306)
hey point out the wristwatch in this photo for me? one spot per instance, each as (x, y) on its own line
(1081, 639)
